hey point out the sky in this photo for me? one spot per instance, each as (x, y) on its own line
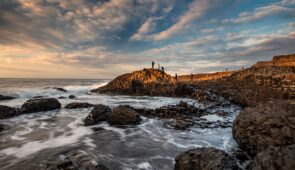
(106, 38)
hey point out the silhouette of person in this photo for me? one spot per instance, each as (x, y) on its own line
(175, 76)
(153, 64)
(163, 69)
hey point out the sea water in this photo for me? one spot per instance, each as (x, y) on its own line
(34, 138)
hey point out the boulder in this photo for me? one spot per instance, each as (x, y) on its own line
(2, 97)
(60, 89)
(124, 115)
(42, 104)
(99, 113)
(72, 97)
(75, 160)
(76, 105)
(275, 158)
(205, 159)
(1, 127)
(7, 112)
(269, 124)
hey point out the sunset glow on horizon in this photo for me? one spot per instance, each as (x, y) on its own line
(106, 38)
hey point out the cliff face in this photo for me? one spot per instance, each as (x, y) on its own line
(246, 87)
(143, 82)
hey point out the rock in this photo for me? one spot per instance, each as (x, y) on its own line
(61, 97)
(77, 105)
(2, 97)
(8, 112)
(76, 160)
(123, 115)
(72, 97)
(99, 113)
(1, 127)
(38, 105)
(37, 97)
(269, 124)
(275, 158)
(205, 159)
(60, 89)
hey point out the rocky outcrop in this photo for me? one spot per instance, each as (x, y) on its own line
(124, 115)
(275, 158)
(205, 159)
(269, 124)
(2, 97)
(1, 127)
(143, 82)
(38, 105)
(8, 112)
(76, 105)
(99, 113)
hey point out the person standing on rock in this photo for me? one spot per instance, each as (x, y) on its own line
(175, 76)
(163, 69)
(153, 64)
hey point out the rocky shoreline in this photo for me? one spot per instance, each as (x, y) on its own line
(267, 89)
(264, 130)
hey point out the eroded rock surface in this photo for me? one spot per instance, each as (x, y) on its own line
(205, 159)
(40, 104)
(275, 158)
(124, 115)
(99, 113)
(269, 124)
(77, 105)
(8, 112)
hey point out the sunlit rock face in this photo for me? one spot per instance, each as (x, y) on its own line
(143, 82)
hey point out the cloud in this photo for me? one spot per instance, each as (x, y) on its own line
(147, 27)
(196, 10)
(260, 13)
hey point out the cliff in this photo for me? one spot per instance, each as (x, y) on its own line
(204, 76)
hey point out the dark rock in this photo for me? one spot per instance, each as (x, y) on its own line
(8, 112)
(61, 97)
(269, 124)
(123, 115)
(205, 158)
(2, 97)
(77, 105)
(60, 89)
(99, 113)
(1, 127)
(76, 160)
(38, 105)
(275, 158)
(72, 97)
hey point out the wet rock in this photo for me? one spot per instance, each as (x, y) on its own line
(205, 158)
(60, 89)
(275, 158)
(8, 112)
(38, 105)
(123, 115)
(72, 97)
(77, 160)
(77, 105)
(99, 113)
(61, 97)
(1, 127)
(2, 97)
(269, 124)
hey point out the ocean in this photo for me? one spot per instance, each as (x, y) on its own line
(34, 139)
